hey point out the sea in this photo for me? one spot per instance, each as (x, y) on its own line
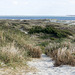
(39, 17)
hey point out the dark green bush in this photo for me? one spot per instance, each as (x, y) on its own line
(67, 32)
(44, 43)
(61, 34)
(36, 29)
(50, 30)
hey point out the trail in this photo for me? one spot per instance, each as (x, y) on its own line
(45, 66)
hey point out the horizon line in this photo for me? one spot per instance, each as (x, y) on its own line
(38, 15)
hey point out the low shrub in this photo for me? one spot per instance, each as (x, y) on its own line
(50, 30)
(44, 43)
(36, 29)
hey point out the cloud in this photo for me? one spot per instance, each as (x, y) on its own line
(26, 3)
(15, 2)
(19, 2)
(37, 7)
(72, 1)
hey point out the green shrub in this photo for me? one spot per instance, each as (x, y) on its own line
(50, 30)
(36, 29)
(60, 34)
(52, 38)
(44, 44)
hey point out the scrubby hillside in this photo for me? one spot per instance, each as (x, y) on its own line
(15, 46)
(23, 39)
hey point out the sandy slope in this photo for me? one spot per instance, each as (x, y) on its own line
(45, 67)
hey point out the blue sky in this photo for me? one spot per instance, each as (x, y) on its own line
(37, 7)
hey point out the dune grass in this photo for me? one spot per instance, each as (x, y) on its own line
(10, 54)
(49, 39)
(61, 53)
(18, 52)
(64, 57)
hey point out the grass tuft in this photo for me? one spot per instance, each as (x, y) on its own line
(34, 52)
(63, 54)
(64, 57)
(10, 54)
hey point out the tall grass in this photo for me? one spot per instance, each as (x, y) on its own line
(34, 52)
(10, 55)
(64, 57)
(11, 34)
(14, 56)
(16, 52)
(61, 53)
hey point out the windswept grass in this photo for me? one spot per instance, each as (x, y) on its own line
(34, 52)
(61, 53)
(49, 38)
(64, 57)
(11, 55)
(18, 52)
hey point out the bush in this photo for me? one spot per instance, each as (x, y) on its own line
(44, 43)
(36, 29)
(50, 30)
(60, 34)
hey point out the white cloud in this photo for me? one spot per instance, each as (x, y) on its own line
(15, 2)
(37, 7)
(26, 3)
(19, 2)
(72, 1)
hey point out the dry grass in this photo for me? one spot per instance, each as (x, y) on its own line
(13, 56)
(21, 41)
(64, 57)
(62, 54)
(34, 52)
(10, 54)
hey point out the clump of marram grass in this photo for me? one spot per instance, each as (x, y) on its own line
(61, 53)
(64, 57)
(51, 47)
(11, 54)
(54, 46)
(34, 52)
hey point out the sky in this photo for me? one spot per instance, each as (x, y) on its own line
(37, 7)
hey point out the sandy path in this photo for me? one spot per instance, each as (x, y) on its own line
(45, 67)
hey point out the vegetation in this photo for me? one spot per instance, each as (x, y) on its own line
(50, 30)
(61, 53)
(56, 47)
(20, 51)
(64, 58)
(16, 47)
(10, 54)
